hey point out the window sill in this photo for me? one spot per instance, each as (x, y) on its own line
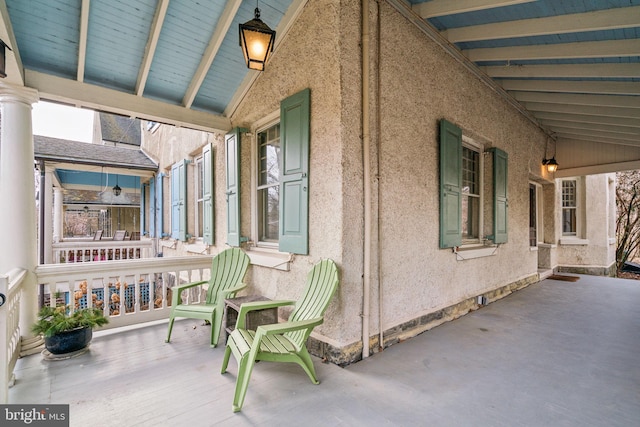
(574, 241)
(197, 248)
(533, 249)
(269, 258)
(463, 254)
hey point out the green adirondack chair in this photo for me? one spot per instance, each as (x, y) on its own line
(228, 269)
(281, 342)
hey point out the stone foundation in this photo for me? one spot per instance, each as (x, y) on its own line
(352, 353)
(593, 271)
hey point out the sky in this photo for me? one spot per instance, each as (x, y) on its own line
(61, 121)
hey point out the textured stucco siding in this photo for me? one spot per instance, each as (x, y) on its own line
(413, 84)
(597, 217)
(310, 56)
(420, 85)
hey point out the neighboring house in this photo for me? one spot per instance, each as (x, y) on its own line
(91, 187)
(440, 199)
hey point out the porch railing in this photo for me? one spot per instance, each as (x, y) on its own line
(10, 294)
(100, 250)
(129, 292)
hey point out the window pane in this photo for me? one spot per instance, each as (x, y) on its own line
(269, 151)
(268, 183)
(569, 194)
(268, 206)
(568, 221)
(470, 171)
(470, 217)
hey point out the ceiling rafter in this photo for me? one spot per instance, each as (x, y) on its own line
(630, 130)
(60, 89)
(578, 99)
(612, 70)
(152, 44)
(597, 49)
(609, 19)
(82, 42)
(631, 113)
(593, 87)
(583, 118)
(589, 136)
(448, 7)
(224, 23)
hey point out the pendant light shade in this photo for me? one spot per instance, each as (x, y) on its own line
(256, 41)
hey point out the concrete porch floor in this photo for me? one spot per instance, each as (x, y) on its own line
(554, 354)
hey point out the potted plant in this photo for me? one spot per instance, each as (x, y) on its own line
(66, 332)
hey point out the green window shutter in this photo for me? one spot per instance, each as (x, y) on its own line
(450, 185)
(143, 209)
(178, 200)
(207, 194)
(152, 208)
(500, 202)
(232, 159)
(294, 173)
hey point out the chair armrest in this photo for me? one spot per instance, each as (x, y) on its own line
(230, 293)
(177, 290)
(258, 305)
(281, 328)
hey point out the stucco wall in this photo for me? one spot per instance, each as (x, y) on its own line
(309, 56)
(420, 85)
(413, 84)
(596, 216)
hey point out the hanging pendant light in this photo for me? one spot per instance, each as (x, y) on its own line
(117, 190)
(256, 40)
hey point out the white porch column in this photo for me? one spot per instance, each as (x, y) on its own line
(18, 247)
(57, 214)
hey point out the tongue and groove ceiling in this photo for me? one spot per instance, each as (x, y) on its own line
(574, 65)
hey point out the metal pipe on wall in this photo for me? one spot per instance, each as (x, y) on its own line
(366, 159)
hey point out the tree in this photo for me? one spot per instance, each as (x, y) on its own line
(628, 216)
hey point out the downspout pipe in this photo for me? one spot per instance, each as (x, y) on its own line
(41, 201)
(366, 160)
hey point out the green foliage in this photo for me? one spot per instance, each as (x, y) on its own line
(53, 320)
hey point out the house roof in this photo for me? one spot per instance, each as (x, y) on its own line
(64, 151)
(120, 130)
(572, 66)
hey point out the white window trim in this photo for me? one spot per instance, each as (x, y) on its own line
(265, 254)
(578, 238)
(476, 146)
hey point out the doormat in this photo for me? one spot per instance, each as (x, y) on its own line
(565, 278)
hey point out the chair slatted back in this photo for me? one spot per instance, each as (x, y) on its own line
(227, 270)
(322, 282)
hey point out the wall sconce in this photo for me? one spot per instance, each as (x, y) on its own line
(3, 62)
(551, 164)
(117, 190)
(86, 209)
(256, 41)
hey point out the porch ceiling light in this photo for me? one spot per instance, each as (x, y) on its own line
(117, 190)
(256, 41)
(3, 63)
(551, 164)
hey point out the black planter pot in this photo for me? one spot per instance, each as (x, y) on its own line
(68, 341)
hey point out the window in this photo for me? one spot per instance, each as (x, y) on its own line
(569, 207)
(280, 202)
(268, 185)
(471, 197)
(462, 187)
